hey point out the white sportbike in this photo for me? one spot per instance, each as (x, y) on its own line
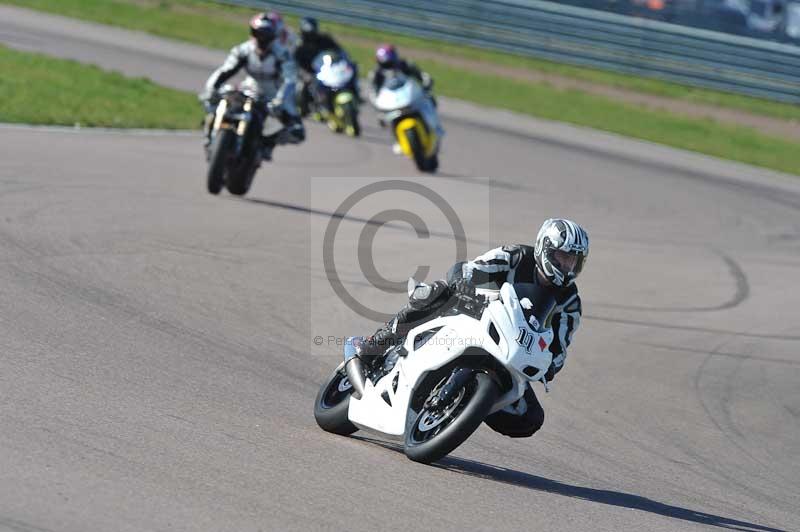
(434, 390)
(411, 113)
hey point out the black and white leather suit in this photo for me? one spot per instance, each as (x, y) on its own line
(511, 264)
(271, 75)
(379, 75)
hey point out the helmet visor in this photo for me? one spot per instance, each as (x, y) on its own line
(568, 262)
(264, 36)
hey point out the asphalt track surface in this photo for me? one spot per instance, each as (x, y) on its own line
(157, 369)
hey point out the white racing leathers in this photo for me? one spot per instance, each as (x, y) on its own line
(516, 264)
(271, 75)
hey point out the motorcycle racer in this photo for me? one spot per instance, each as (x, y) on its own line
(312, 43)
(554, 262)
(271, 74)
(388, 59)
(286, 36)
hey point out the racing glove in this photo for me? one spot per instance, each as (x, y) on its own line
(463, 287)
(427, 82)
(209, 99)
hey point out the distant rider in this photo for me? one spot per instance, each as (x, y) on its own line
(286, 36)
(271, 74)
(388, 60)
(312, 43)
(557, 258)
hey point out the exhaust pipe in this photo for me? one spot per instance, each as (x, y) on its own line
(353, 365)
(355, 372)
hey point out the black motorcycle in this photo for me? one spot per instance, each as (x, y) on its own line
(235, 142)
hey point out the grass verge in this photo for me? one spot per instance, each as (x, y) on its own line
(210, 24)
(44, 90)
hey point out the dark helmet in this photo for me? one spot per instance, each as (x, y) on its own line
(562, 247)
(309, 27)
(263, 30)
(386, 55)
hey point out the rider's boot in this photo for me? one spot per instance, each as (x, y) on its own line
(376, 345)
(267, 146)
(423, 302)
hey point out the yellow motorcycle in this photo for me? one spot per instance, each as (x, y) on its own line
(411, 113)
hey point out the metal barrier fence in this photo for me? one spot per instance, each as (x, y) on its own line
(578, 36)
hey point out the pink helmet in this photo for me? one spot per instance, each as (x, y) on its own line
(386, 55)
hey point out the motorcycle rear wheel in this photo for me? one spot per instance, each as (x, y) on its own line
(332, 403)
(217, 164)
(434, 434)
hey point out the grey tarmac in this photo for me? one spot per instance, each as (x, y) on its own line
(158, 370)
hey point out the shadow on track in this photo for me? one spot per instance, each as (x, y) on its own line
(609, 497)
(344, 216)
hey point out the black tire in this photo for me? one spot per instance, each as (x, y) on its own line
(239, 181)
(240, 177)
(351, 119)
(432, 164)
(331, 404)
(416, 149)
(218, 161)
(473, 407)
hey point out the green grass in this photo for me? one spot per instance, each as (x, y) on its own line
(702, 135)
(219, 26)
(209, 24)
(43, 90)
(601, 77)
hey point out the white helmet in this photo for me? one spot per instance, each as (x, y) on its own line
(562, 247)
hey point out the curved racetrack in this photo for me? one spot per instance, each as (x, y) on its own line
(157, 369)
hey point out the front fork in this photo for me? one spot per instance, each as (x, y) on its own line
(241, 127)
(243, 121)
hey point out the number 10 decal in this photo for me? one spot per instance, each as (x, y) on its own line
(525, 339)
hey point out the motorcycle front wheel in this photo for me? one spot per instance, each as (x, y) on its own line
(437, 430)
(417, 151)
(240, 175)
(332, 402)
(218, 162)
(239, 181)
(352, 127)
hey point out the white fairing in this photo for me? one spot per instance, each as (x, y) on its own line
(384, 408)
(407, 94)
(400, 96)
(335, 75)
